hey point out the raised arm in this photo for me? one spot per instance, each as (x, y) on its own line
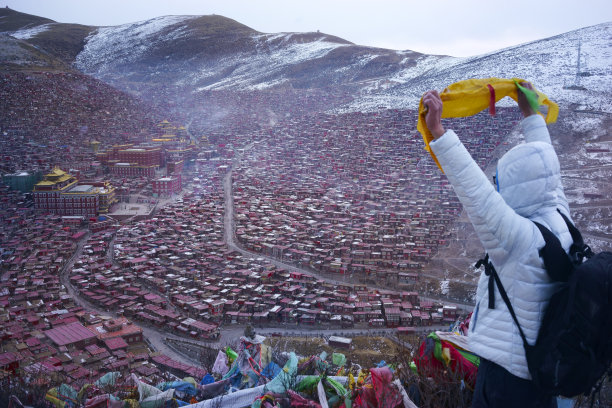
(534, 129)
(433, 118)
(500, 229)
(533, 125)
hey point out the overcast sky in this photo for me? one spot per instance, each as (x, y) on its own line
(452, 27)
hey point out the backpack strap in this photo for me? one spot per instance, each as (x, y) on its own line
(504, 295)
(557, 263)
(579, 250)
(493, 280)
(576, 235)
(489, 269)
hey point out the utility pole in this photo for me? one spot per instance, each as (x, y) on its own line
(578, 63)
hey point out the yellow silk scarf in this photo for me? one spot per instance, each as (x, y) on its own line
(469, 97)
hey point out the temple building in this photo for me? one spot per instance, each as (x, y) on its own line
(107, 196)
(61, 193)
(133, 170)
(174, 167)
(167, 133)
(167, 185)
(142, 156)
(181, 152)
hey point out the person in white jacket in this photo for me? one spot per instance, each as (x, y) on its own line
(527, 188)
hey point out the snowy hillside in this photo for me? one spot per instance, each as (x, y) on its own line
(17, 53)
(264, 68)
(550, 63)
(27, 33)
(198, 53)
(108, 47)
(172, 49)
(248, 60)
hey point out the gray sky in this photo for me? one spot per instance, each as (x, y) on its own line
(453, 27)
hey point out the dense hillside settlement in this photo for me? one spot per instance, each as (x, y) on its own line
(321, 240)
(151, 240)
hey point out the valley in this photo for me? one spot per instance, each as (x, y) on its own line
(169, 182)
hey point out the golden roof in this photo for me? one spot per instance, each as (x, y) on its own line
(56, 172)
(56, 176)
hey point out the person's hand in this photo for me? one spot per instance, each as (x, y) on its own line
(433, 117)
(523, 104)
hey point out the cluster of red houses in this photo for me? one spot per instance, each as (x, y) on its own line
(174, 270)
(348, 194)
(58, 119)
(87, 129)
(43, 329)
(353, 194)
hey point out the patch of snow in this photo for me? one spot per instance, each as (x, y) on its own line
(301, 52)
(586, 124)
(426, 64)
(251, 71)
(270, 37)
(444, 286)
(30, 32)
(265, 85)
(108, 46)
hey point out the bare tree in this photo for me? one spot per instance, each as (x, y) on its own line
(430, 387)
(279, 352)
(207, 357)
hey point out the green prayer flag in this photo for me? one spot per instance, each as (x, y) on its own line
(531, 95)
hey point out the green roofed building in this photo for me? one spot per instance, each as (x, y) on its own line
(23, 181)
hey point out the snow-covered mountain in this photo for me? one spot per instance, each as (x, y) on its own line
(213, 52)
(549, 63)
(198, 53)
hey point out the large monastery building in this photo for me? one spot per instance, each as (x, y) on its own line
(61, 193)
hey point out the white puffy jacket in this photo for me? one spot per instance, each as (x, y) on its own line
(529, 184)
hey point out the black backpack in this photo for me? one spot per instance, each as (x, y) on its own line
(574, 345)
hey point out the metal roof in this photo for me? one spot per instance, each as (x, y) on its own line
(69, 333)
